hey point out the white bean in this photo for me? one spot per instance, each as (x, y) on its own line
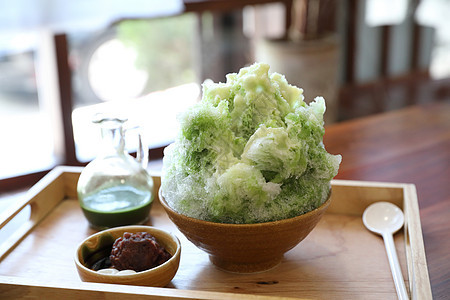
(126, 272)
(109, 271)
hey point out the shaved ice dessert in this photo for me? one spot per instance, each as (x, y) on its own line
(250, 151)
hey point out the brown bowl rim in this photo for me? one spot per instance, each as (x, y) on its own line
(323, 206)
(141, 273)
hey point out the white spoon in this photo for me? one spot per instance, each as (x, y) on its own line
(385, 219)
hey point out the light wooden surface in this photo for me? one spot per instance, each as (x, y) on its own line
(339, 259)
(411, 145)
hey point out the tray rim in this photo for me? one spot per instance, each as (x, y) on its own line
(419, 282)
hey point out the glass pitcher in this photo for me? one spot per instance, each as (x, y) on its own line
(115, 189)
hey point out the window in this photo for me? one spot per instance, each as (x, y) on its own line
(26, 132)
(117, 69)
(141, 69)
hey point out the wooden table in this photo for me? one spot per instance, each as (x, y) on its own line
(410, 146)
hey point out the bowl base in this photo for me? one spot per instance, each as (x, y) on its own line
(236, 267)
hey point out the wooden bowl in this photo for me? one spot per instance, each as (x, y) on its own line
(246, 248)
(99, 245)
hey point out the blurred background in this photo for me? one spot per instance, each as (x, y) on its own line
(62, 62)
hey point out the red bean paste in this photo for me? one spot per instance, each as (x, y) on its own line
(137, 251)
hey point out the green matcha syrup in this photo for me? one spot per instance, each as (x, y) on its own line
(117, 206)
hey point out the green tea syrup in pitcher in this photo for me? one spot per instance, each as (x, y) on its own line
(115, 188)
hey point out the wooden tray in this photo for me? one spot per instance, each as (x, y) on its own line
(340, 259)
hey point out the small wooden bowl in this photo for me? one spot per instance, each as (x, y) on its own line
(100, 245)
(246, 248)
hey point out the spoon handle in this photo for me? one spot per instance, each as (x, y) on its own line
(395, 266)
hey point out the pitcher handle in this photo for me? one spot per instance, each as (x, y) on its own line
(142, 152)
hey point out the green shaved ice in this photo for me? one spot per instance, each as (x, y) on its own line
(251, 151)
